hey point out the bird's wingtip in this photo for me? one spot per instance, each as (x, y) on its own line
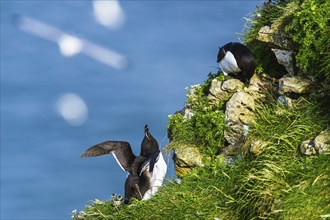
(87, 154)
(83, 155)
(146, 128)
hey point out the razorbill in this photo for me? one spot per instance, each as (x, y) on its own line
(146, 172)
(236, 59)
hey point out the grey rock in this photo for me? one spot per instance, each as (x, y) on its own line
(320, 144)
(232, 85)
(307, 148)
(239, 112)
(286, 101)
(259, 86)
(186, 112)
(186, 157)
(265, 34)
(322, 141)
(215, 88)
(294, 84)
(223, 90)
(274, 36)
(240, 107)
(234, 133)
(285, 58)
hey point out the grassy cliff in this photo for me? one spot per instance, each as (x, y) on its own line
(277, 182)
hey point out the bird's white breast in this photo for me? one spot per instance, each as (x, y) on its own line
(157, 177)
(228, 64)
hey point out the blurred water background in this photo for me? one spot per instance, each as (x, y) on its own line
(76, 73)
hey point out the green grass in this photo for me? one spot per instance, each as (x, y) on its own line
(309, 197)
(278, 183)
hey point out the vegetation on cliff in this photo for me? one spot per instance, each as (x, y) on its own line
(205, 127)
(306, 23)
(276, 181)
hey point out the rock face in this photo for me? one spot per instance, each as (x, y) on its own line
(322, 141)
(281, 43)
(232, 85)
(186, 157)
(320, 144)
(275, 38)
(239, 112)
(295, 84)
(239, 107)
(259, 85)
(285, 57)
(223, 90)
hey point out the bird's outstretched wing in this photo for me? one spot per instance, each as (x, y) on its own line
(121, 150)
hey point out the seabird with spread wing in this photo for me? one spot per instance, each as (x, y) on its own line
(146, 172)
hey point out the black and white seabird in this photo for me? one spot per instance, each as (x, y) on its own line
(145, 172)
(236, 59)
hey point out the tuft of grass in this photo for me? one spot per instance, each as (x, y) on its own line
(309, 196)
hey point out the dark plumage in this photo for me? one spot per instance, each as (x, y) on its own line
(142, 181)
(236, 59)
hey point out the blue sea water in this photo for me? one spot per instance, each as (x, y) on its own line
(169, 44)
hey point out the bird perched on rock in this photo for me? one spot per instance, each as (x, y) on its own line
(236, 59)
(146, 172)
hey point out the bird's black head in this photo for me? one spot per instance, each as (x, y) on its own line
(221, 54)
(149, 144)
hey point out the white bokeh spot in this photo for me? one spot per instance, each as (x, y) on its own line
(72, 108)
(69, 45)
(109, 13)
